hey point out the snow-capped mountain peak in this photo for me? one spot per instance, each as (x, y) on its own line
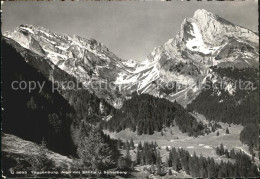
(61, 49)
(204, 40)
(203, 14)
(89, 61)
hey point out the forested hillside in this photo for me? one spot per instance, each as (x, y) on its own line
(36, 114)
(44, 115)
(84, 101)
(145, 114)
(199, 166)
(87, 106)
(242, 107)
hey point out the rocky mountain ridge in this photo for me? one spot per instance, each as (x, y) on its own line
(205, 40)
(182, 63)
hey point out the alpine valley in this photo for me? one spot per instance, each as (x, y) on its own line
(193, 102)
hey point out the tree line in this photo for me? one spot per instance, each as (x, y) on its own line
(146, 114)
(240, 108)
(180, 159)
(199, 166)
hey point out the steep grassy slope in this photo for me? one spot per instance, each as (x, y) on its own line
(19, 154)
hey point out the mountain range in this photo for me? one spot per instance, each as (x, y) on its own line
(204, 40)
(163, 90)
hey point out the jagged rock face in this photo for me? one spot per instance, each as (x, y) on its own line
(214, 28)
(82, 57)
(204, 36)
(204, 40)
(86, 59)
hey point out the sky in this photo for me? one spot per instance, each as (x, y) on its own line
(131, 30)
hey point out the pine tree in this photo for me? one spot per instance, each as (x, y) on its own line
(221, 149)
(203, 173)
(221, 171)
(251, 151)
(155, 144)
(217, 133)
(127, 145)
(128, 156)
(170, 160)
(207, 131)
(230, 170)
(140, 146)
(158, 167)
(213, 129)
(41, 161)
(138, 157)
(195, 168)
(92, 149)
(227, 131)
(253, 158)
(152, 168)
(254, 171)
(132, 146)
(158, 158)
(232, 154)
(132, 166)
(217, 151)
(191, 166)
(167, 162)
(211, 168)
(119, 143)
(226, 153)
(43, 145)
(178, 165)
(170, 172)
(185, 161)
(202, 166)
(123, 163)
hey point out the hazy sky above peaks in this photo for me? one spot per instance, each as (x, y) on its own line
(129, 29)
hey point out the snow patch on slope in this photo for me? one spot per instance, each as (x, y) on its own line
(130, 63)
(55, 57)
(27, 29)
(153, 75)
(197, 43)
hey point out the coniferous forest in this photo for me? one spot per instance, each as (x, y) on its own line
(240, 108)
(39, 116)
(199, 166)
(146, 114)
(45, 116)
(180, 159)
